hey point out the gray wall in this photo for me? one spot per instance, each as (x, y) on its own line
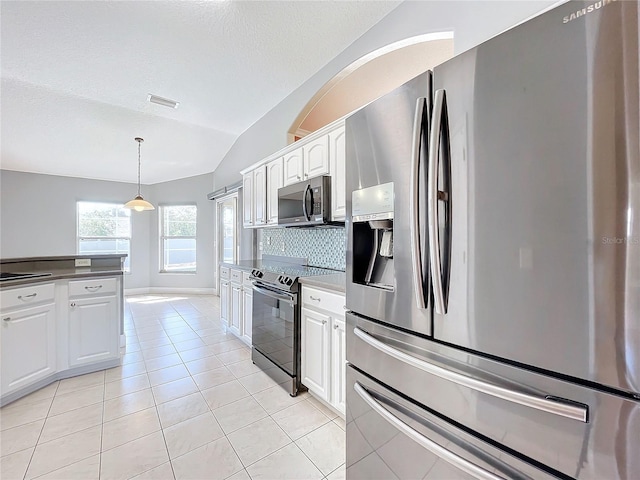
(192, 190)
(471, 22)
(38, 217)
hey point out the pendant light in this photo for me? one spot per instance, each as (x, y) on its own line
(139, 204)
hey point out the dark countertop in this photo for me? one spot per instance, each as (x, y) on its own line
(60, 267)
(61, 257)
(63, 274)
(336, 282)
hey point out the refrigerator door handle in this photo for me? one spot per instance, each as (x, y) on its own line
(448, 456)
(546, 403)
(439, 131)
(416, 254)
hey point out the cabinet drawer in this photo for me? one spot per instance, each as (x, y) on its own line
(236, 276)
(321, 299)
(224, 273)
(94, 286)
(246, 281)
(31, 295)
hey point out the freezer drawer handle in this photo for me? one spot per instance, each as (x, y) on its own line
(549, 404)
(448, 456)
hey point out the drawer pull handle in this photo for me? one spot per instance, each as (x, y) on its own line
(546, 403)
(26, 298)
(335, 327)
(93, 288)
(7, 319)
(73, 304)
(315, 299)
(324, 322)
(428, 444)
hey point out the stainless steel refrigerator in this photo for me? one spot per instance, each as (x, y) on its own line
(493, 259)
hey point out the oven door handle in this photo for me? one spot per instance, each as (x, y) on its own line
(270, 293)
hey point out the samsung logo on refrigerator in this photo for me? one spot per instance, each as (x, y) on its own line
(584, 11)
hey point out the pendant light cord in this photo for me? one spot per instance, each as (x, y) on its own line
(139, 142)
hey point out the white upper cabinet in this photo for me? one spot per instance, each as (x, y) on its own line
(247, 199)
(275, 181)
(293, 167)
(338, 157)
(321, 153)
(260, 195)
(316, 157)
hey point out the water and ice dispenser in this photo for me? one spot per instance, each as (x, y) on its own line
(372, 217)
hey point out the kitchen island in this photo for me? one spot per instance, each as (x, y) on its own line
(61, 316)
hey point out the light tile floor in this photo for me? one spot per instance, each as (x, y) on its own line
(187, 403)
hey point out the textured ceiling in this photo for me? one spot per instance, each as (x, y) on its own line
(76, 74)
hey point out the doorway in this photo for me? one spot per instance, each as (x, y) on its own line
(227, 237)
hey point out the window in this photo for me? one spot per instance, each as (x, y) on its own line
(178, 238)
(104, 228)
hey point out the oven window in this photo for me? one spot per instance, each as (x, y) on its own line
(273, 330)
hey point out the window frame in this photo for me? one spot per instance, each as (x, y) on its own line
(162, 238)
(79, 238)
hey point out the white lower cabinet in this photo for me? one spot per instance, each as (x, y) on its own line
(236, 304)
(315, 352)
(323, 346)
(28, 343)
(93, 329)
(48, 329)
(247, 314)
(225, 293)
(338, 364)
(235, 322)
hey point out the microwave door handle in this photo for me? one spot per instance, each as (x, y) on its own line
(438, 450)
(416, 254)
(439, 131)
(307, 216)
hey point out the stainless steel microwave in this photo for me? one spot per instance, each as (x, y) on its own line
(306, 203)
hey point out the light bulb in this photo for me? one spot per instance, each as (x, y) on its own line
(138, 208)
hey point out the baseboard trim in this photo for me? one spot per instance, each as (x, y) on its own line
(169, 291)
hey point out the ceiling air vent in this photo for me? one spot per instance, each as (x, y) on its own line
(165, 102)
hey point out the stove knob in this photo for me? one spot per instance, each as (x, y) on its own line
(289, 281)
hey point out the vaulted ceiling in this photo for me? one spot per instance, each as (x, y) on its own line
(76, 75)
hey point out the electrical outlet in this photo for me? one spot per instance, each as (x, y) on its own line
(260, 246)
(268, 240)
(283, 246)
(83, 262)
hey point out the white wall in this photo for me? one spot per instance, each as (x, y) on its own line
(471, 22)
(38, 218)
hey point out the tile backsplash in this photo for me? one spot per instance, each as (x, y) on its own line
(323, 247)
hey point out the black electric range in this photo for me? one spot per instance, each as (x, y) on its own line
(275, 333)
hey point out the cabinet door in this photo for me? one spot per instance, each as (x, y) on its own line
(28, 343)
(224, 301)
(274, 182)
(337, 157)
(315, 352)
(293, 167)
(247, 199)
(316, 157)
(93, 330)
(247, 314)
(338, 364)
(235, 324)
(260, 195)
